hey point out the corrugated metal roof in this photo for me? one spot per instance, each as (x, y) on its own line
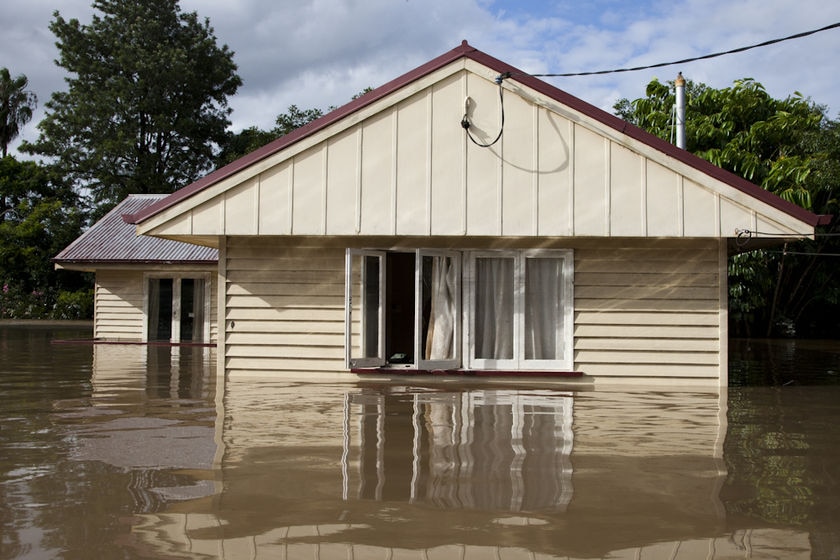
(111, 240)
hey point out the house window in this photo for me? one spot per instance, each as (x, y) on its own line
(177, 309)
(404, 309)
(520, 310)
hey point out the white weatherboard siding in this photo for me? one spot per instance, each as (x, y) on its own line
(119, 305)
(643, 308)
(285, 307)
(650, 309)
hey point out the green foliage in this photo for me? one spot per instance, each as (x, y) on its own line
(294, 119)
(250, 139)
(146, 103)
(788, 147)
(238, 144)
(39, 219)
(73, 305)
(16, 106)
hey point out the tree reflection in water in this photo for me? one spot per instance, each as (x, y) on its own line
(130, 452)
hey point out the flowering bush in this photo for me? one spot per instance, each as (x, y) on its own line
(17, 304)
(73, 305)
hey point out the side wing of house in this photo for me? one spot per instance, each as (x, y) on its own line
(156, 304)
(333, 248)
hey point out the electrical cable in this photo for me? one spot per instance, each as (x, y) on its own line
(693, 59)
(465, 122)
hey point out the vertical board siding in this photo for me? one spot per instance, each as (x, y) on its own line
(648, 311)
(404, 165)
(554, 187)
(376, 166)
(519, 165)
(626, 193)
(118, 305)
(285, 307)
(341, 183)
(308, 193)
(410, 169)
(590, 204)
(447, 203)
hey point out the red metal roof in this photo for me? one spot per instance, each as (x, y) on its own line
(112, 240)
(464, 50)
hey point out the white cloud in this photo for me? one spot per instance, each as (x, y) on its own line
(318, 53)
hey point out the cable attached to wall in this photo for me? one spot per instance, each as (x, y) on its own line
(465, 122)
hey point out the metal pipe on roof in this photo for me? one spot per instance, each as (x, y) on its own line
(679, 85)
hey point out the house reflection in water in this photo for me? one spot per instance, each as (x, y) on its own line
(485, 449)
(482, 471)
(148, 416)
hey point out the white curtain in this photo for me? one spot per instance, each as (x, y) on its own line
(440, 335)
(493, 328)
(543, 308)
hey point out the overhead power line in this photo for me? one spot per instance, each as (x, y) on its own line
(693, 59)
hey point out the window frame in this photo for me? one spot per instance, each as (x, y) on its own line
(518, 361)
(419, 361)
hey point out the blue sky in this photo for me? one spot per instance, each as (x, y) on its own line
(319, 53)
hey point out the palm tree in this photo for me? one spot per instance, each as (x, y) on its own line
(16, 105)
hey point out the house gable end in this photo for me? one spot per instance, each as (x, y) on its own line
(403, 164)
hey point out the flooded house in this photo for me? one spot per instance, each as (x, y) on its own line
(147, 289)
(467, 218)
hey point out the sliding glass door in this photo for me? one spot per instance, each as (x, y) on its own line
(176, 309)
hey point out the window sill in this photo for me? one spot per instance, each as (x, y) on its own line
(464, 372)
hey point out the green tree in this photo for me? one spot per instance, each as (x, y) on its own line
(41, 217)
(239, 144)
(786, 146)
(16, 106)
(293, 119)
(146, 103)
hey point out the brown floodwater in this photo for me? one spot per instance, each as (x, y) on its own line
(131, 451)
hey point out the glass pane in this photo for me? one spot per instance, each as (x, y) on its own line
(364, 327)
(543, 308)
(440, 299)
(160, 309)
(192, 310)
(493, 328)
(370, 307)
